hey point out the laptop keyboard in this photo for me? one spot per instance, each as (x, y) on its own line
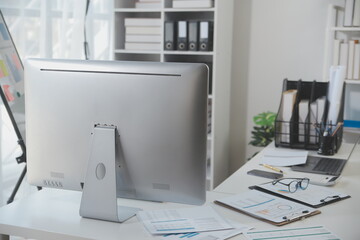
(328, 165)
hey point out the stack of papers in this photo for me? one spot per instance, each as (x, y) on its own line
(143, 33)
(193, 3)
(211, 235)
(195, 222)
(284, 158)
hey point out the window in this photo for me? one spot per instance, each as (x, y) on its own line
(55, 29)
(49, 29)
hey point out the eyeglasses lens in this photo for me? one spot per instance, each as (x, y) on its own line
(293, 186)
(304, 184)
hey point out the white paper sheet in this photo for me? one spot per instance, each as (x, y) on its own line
(336, 83)
(218, 235)
(283, 158)
(266, 206)
(303, 233)
(184, 220)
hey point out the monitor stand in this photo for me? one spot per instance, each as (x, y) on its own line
(99, 197)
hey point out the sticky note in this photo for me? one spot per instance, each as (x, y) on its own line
(8, 94)
(3, 71)
(16, 61)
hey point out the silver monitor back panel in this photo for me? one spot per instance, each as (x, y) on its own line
(159, 109)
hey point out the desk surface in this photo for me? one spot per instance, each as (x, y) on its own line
(54, 214)
(342, 218)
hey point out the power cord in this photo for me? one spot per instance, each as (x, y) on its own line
(86, 44)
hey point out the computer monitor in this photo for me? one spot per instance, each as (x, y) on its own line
(156, 111)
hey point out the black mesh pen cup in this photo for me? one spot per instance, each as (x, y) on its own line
(327, 145)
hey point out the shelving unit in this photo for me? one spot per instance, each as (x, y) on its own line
(336, 30)
(220, 58)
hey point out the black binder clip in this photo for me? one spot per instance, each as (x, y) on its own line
(331, 198)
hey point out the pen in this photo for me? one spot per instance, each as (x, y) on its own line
(336, 129)
(272, 168)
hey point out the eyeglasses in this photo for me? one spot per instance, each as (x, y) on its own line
(293, 184)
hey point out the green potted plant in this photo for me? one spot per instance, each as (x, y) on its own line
(264, 129)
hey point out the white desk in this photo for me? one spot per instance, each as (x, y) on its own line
(342, 218)
(53, 214)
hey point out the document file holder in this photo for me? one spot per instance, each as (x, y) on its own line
(310, 137)
(169, 35)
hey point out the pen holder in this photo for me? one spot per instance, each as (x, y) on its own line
(327, 145)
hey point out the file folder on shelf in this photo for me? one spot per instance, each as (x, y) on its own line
(170, 30)
(193, 35)
(206, 36)
(182, 35)
(301, 129)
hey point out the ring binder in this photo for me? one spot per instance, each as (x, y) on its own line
(170, 30)
(182, 35)
(193, 41)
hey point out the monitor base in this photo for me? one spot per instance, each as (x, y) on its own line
(99, 198)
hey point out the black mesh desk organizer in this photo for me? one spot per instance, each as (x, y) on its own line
(310, 91)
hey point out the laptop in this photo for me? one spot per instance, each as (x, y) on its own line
(321, 165)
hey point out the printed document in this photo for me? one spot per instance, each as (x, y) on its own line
(218, 235)
(283, 158)
(266, 206)
(303, 233)
(184, 220)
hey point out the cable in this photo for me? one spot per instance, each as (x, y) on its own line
(86, 44)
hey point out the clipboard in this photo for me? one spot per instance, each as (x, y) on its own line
(268, 208)
(314, 196)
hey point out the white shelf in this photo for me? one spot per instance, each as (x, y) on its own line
(345, 29)
(219, 59)
(335, 30)
(137, 51)
(125, 10)
(198, 53)
(188, 53)
(136, 10)
(352, 81)
(189, 9)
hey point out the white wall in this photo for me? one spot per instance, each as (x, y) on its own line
(273, 40)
